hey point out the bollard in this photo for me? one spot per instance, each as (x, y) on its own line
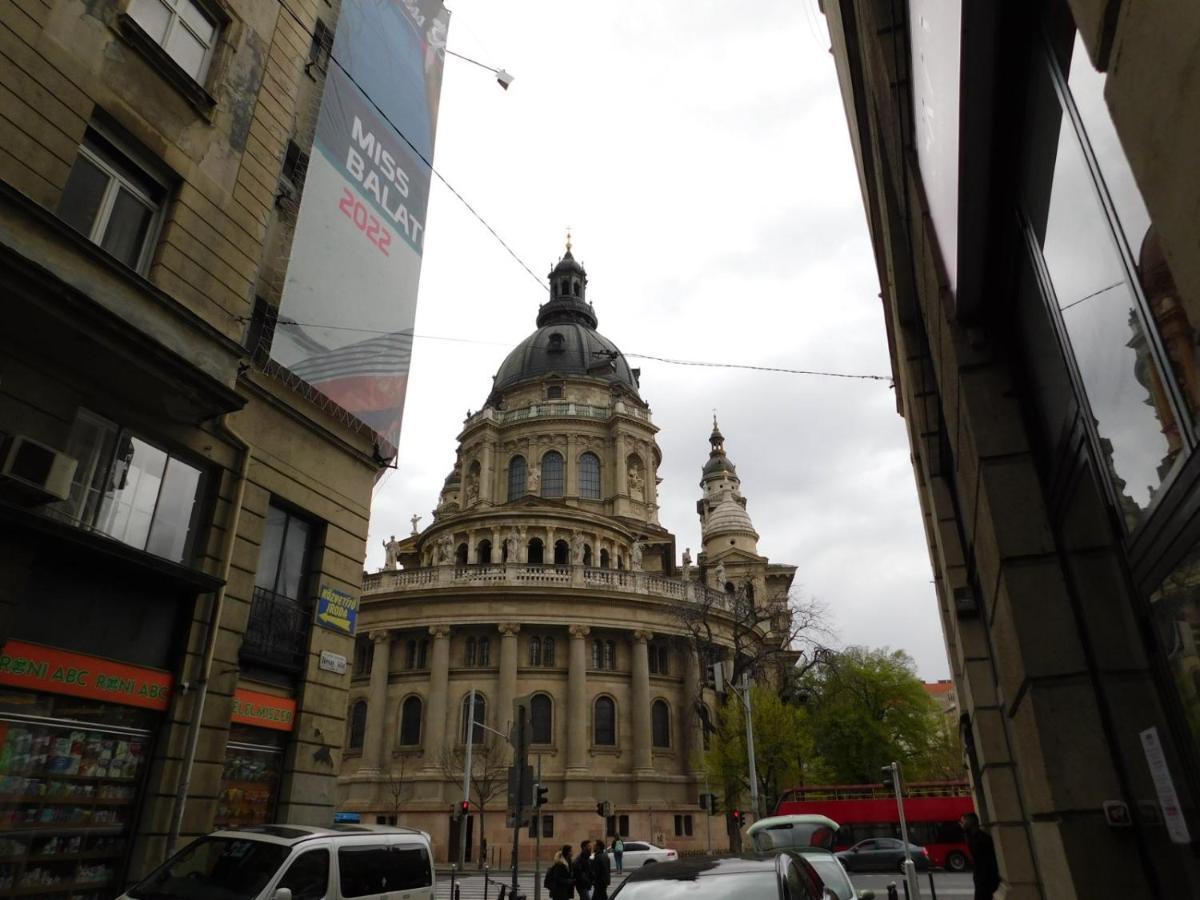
(932, 888)
(456, 893)
(906, 894)
(453, 871)
(893, 894)
(503, 888)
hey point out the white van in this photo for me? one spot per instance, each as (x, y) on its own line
(296, 862)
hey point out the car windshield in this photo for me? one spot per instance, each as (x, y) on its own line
(214, 868)
(792, 835)
(833, 875)
(743, 885)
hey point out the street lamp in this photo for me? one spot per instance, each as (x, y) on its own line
(503, 78)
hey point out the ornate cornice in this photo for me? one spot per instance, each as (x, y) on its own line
(508, 628)
(579, 631)
(439, 631)
(641, 636)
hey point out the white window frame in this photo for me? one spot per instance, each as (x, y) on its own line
(116, 181)
(177, 19)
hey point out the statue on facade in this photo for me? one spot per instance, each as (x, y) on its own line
(415, 519)
(533, 480)
(472, 487)
(635, 556)
(720, 576)
(577, 543)
(637, 484)
(687, 562)
(391, 553)
(445, 549)
(512, 546)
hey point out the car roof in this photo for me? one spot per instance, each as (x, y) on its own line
(794, 819)
(699, 866)
(289, 835)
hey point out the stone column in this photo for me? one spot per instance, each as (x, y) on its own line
(577, 713)
(571, 475)
(439, 685)
(506, 690)
(691, 730)
(487, 472)
(640, 691)
(376, 733)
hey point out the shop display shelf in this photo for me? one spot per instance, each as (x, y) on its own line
(63, 857)
(66, 828)
(51, 890)
(52, 800)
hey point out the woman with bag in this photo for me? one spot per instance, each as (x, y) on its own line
(558, 879)
(618, 849)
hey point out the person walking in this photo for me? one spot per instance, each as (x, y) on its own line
(558, 879)
(581, 871)
(985, 869)
(618, 848)
(601, 871)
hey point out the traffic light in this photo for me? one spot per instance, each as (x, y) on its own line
(737, 816)
(460, 810)
(714, 804)
(522, 728)
(540, 795)
(889, 778)
(604, 809)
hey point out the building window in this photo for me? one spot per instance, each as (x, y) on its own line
(589, 476)
(461, 554)
(587, 554)
(320, 47)
(131, 490)
(597, 654)
(604, 558)
(480, 718)
(552, 474)
(659, 660)
(535, 651)
(604, 722)
(358, 725)
(623, 825)
(363, 652)
(547, 826)
(660, 724)
(562, 553)
(470, 652)
(683, 826)
(485, 652)
(540, 713)
(535, 552)
(182, 28)
(516, 478)
(483, 553)
(410, 722)
(548, 652)
(277, 631)
(422, 654)
(610, 655)
(554, 392)
(478, 652)
(283, 555)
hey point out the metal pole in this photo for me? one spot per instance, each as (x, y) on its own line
(520, 760)
(537, 852)
(750, 744)
(462, 824)
(911, 884)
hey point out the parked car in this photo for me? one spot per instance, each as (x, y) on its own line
(294, 862)
(643, 853)
(881, 855)
(832, 873)
(791, 832)
(758, 877)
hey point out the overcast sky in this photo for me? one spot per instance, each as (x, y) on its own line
(698, 151)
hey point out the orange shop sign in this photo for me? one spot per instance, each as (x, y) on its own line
(41, 668)
(263, 710)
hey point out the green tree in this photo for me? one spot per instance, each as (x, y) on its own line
(867, 708)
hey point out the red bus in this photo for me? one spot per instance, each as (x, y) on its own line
(932, 809)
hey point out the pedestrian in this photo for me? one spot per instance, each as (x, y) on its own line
(558, 879)
(986, 870)
(581, 871)
(601, 871)
(618, 848)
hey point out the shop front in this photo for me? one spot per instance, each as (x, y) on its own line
(75, 741)
(258, 734)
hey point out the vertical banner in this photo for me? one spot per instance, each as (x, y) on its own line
(350, 296)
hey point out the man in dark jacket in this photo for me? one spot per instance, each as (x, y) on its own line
(986, 870)
(601, 871)
(581, 871)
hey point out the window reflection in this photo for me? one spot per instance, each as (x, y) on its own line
(1175, 608)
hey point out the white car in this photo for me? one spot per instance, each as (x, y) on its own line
(296, 862)
(642, 853)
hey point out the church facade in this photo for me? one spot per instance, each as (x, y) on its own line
(546, 574)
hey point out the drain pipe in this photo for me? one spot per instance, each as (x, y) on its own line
(210, 641)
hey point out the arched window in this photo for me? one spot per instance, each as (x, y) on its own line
(604, 722)
(729, 588)
(552, 474)
(535, 551)
(589, 476)
(516, 477)
(480, 718)
(410, 654)
(540, 714)
(470, 661)
(603, 558)
(358, 725)
(485, 652)
(565, 290)
(483, 553)
(548, 652)
(597, 654)
(660, 724)
(610, 655)
(410, 722)
(460, 555)
(575, 288)
(562, 553)
(535, 651)
(587, 554)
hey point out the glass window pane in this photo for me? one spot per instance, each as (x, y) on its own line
(173, 517)
(92, 442)
(295, 559)
(187, 50)
(552, 475)
(83, 194)
(136, 478)
(589, 476)
(128, 223)
(308, 876)
(153, 16)
(201, 24)
(516, 477)
(272, 547)
(1175, 609)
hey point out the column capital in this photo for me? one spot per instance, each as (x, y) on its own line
(579, 632)
(381, 635)
(642, 636)
(440, 631)
(508, 628)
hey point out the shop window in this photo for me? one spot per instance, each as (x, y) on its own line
(131, 490)
(548, 652)
(535, 651)
(589, 476)
(562, 553)
(358, 725)
(604, 722)
(480, 718)
(660, 724)
(113, 202)
(552, 474)
(181, 27)
(516, 478)
(540, 713)
(410, 722)
(308, 875)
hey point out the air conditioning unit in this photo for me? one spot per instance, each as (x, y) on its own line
(34, 473)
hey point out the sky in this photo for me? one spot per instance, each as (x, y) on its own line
(698, 152)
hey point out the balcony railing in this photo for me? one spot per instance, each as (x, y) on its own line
(533, 575)
(277, 633)
(557, 409)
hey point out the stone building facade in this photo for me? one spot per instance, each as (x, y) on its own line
(1028, 172)
(160, 670)
(546, 574)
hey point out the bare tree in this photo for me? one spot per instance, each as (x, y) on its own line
(395, 787)
(489, 774)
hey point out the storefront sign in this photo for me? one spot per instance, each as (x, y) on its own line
(333, 662)
(41, 668)
(263, 710)
(337, 610)
(1168, 799)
